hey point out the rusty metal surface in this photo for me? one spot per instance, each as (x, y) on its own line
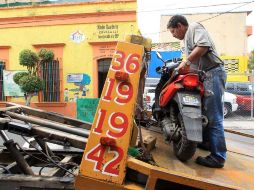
(25, 182)
(238, 171)
(47, 115)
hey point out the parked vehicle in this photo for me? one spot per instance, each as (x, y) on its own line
(245, 102)
(180, 112)
(230, 103)
(244, 92)
(149, 97)
(240, 88)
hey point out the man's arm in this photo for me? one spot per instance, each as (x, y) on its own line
(196, 53)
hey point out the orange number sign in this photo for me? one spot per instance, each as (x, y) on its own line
(114, 118)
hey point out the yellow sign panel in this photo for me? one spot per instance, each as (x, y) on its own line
(105, 154)
(236, 68)
(235, 64)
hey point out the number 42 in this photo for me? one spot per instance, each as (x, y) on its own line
(96, 155)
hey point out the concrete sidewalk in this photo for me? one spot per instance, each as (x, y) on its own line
(239, 124)
(245, 128)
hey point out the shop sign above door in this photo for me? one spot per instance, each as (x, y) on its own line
(107, 31)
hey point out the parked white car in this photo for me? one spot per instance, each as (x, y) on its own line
(230, 104)
(149, 97)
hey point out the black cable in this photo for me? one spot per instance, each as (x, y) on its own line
(48, 20)
(47, 165)
(194, 7)
(156, 10)
(32, 155)
(57, 157)
(246, 3)
(64, 164)
(55, 163)
(226, 12)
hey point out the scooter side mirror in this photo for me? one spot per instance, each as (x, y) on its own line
(158, 55)
(158, 70)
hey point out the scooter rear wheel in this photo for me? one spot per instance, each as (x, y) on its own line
(182, 147)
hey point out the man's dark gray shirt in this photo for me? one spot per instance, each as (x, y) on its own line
(197, 35)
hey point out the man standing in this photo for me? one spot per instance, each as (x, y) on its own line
(201, 53)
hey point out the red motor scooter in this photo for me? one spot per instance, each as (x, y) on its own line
(179, 112)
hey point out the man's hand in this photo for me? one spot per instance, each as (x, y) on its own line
(183, 67)
(196, 53)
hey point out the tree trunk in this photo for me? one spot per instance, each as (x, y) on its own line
(28, 99)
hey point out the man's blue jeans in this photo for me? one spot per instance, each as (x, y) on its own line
(213, 108)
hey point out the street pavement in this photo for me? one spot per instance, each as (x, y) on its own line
(239, 124)
(243, 126)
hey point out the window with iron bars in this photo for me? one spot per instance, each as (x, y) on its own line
(2, 67)
(50, 75)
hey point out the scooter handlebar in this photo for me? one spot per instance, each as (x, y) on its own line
(174, 60)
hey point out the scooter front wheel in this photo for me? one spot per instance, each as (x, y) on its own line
(182, 147)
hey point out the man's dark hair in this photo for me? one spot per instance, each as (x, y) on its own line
(174, 20)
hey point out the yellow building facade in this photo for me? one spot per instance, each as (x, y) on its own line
(82, 36)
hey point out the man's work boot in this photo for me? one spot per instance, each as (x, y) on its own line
(210, 162)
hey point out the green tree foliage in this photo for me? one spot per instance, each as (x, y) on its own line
(30, 82)
(18, 76)
(251, 61)
(30, 60)
(46, 55)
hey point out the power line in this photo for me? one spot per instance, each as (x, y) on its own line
(193, 7)
(246, 3)
(226, 12)
(59, 19)
(48, 20)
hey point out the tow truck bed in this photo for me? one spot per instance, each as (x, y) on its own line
(170, 173)
(238, 172)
